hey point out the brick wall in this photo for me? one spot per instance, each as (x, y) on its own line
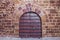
(11, 11)
(53, 26)
(6, 13)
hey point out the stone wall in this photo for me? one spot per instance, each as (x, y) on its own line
(53, 19)
(11, 11)
(6, 18)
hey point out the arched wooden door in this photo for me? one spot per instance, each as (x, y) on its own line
(30, 25)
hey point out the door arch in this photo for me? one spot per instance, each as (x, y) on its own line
(30, 25)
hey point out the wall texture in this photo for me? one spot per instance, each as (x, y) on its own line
(11, 11)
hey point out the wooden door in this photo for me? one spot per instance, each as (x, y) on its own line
(30, 25)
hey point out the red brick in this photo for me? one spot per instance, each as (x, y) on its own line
(57, 23)
(56, 26)
(46, 26)
(51, 1)
(53, 11)
(52, 23)
(54, 20)
(50, 17)
(58, 20)
(57, 17)
(51, 20)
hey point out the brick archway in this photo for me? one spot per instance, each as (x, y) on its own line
(30, 25)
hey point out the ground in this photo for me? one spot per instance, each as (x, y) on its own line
(46, 38)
